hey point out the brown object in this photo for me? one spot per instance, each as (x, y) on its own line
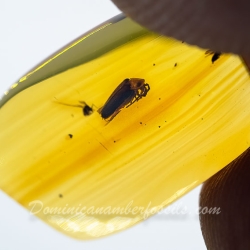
(128, 91)
(228, 190)
(214, 24)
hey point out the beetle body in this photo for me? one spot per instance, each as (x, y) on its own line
(128, 92)
(216, 55)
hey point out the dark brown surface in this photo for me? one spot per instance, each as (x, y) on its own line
(211, 24)
(228, 190)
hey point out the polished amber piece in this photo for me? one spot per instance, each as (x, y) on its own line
(106, 177)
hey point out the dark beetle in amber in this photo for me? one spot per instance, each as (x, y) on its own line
(128, 92)
(216, 55)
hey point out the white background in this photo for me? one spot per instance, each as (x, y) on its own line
(30, 32)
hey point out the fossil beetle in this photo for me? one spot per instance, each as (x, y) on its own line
(128, 92)
(216, 55)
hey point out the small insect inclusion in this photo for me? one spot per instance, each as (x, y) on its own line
(128, 92)
(216, 55)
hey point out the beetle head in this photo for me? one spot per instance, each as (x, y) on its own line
(136, 83)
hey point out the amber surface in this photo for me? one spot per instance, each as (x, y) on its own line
(89, 178)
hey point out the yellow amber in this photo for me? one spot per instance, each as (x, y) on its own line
(105, 177)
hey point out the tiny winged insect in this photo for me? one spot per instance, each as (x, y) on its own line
(86, 109)
(216, 55)
(128, 92)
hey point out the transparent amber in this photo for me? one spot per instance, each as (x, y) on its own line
(89, 178)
